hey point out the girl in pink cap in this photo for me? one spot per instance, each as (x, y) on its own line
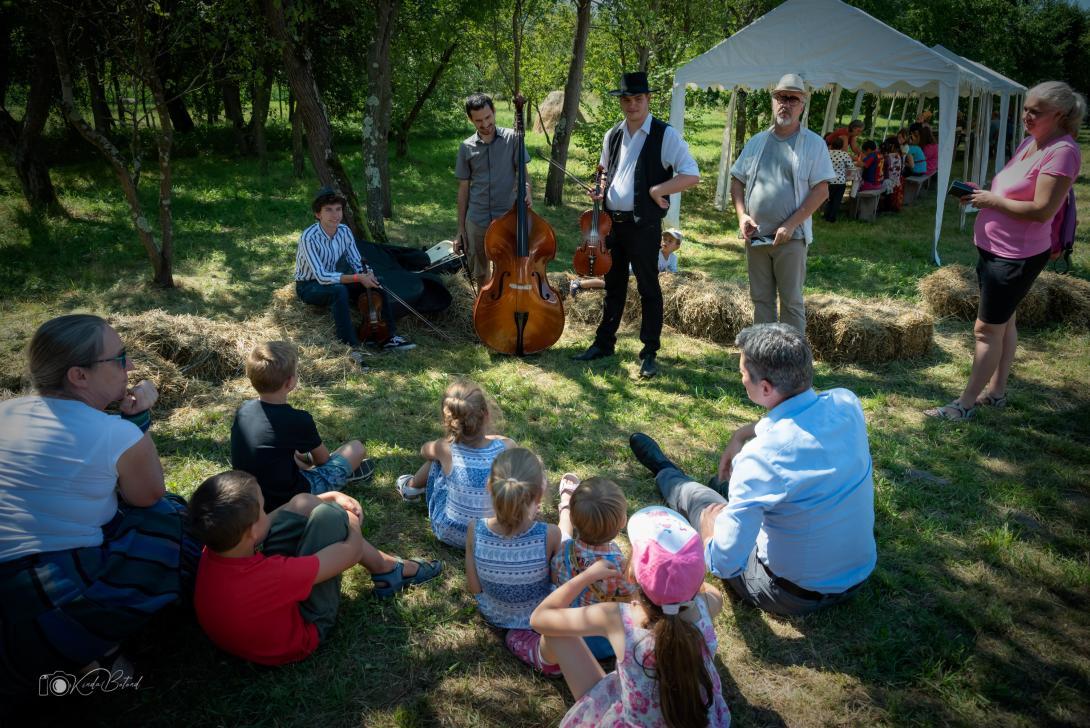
(664, 638)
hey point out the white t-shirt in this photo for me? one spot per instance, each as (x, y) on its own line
(58, 473)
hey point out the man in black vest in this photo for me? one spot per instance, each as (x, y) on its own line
(646, 161)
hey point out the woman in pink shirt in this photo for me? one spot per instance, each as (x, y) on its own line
(1013, 235)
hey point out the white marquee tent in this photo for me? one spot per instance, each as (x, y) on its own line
(831, 45)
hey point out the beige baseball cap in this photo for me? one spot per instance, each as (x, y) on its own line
(675, 233)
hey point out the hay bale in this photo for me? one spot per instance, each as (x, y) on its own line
(848, 330)
(1068, 298)
(951, 291)
(550, 112)
(198, 347)
(696, 305)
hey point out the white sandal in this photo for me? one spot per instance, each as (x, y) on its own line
(406, 489)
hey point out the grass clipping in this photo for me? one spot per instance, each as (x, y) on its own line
(952, 291)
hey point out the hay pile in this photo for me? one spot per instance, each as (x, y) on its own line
(952, 291)
(872, 331)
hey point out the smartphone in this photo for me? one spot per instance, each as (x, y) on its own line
(960, 189)
(760, 240)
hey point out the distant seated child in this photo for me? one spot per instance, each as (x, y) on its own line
(668, 246)
(268, 585)
(278, 444)
(893, 190)
(454, 475)
(592, 513)
(872, 167)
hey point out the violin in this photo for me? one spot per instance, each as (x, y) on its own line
(374, 326)
(517, 311)
(592, 257)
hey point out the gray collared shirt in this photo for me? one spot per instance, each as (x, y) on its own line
(492, 174)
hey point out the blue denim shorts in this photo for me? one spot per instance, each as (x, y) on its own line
(331, 476)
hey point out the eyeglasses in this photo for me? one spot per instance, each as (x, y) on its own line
(122, 359)
(787, 100)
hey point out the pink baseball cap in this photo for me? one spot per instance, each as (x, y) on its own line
(667, 557)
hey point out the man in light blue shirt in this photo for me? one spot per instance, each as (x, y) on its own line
(795, 531)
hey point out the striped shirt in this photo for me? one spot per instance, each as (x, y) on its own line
(514, 573)
(318, 254)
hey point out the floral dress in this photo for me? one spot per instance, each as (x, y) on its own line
(628, 697)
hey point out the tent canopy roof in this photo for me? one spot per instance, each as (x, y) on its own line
(996, 81)
(876, 59)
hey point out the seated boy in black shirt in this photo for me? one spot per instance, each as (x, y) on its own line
(278, 444)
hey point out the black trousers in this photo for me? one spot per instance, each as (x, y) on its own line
(832, 205)
(638, 246)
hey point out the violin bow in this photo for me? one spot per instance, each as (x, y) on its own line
(576, 180)
(419, 315)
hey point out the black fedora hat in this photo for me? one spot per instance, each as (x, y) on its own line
(632, 84)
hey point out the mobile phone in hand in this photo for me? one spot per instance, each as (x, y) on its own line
(960, 189)
(758, 240)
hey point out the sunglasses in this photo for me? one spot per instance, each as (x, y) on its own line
(122, 359)
(787, 100)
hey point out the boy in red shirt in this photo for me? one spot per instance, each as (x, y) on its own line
(269, 584)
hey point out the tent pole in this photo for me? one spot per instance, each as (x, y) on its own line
(885, 125)
(1001, 136)
(970, 147)
(677, 120)
(726, 155)
(858, 104)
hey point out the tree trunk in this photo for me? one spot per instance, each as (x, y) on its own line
(164, 138)
(740, 120)
(400, 131)
(376, 118)
(179, 114)
(312, 114)
(100, 110)
(232, 109)
(21, 139)
(298, 163)
(113, 156)
(554, 185)
(259, 115)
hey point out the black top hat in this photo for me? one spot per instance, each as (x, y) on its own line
(632, 84)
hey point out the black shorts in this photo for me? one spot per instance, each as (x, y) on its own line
(1004, 282)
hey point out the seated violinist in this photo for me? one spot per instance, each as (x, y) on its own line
(671, 241)
(326, 250)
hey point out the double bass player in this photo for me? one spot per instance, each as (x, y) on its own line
(646, 161)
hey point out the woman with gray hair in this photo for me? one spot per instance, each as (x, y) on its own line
(1014, 237)
(91, 544)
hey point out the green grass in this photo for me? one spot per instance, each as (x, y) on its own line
(976, 614)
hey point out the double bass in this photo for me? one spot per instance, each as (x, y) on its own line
(517, 311)
(592, 257)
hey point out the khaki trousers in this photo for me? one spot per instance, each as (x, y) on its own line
(479, 265)
(778, 270)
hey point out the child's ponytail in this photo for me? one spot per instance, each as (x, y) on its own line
(516, 482)
(685, 687)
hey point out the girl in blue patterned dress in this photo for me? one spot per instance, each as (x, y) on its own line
(457, 465)
(508, 555)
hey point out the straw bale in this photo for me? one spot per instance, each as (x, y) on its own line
(198, 347)
(951, 291)
(848, 330)
(1068, 298)
(697, 305)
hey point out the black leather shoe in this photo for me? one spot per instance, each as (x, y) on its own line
(593, 352)
(648, 368)
(648, 452)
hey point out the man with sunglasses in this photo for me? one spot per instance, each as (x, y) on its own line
(779, 180)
